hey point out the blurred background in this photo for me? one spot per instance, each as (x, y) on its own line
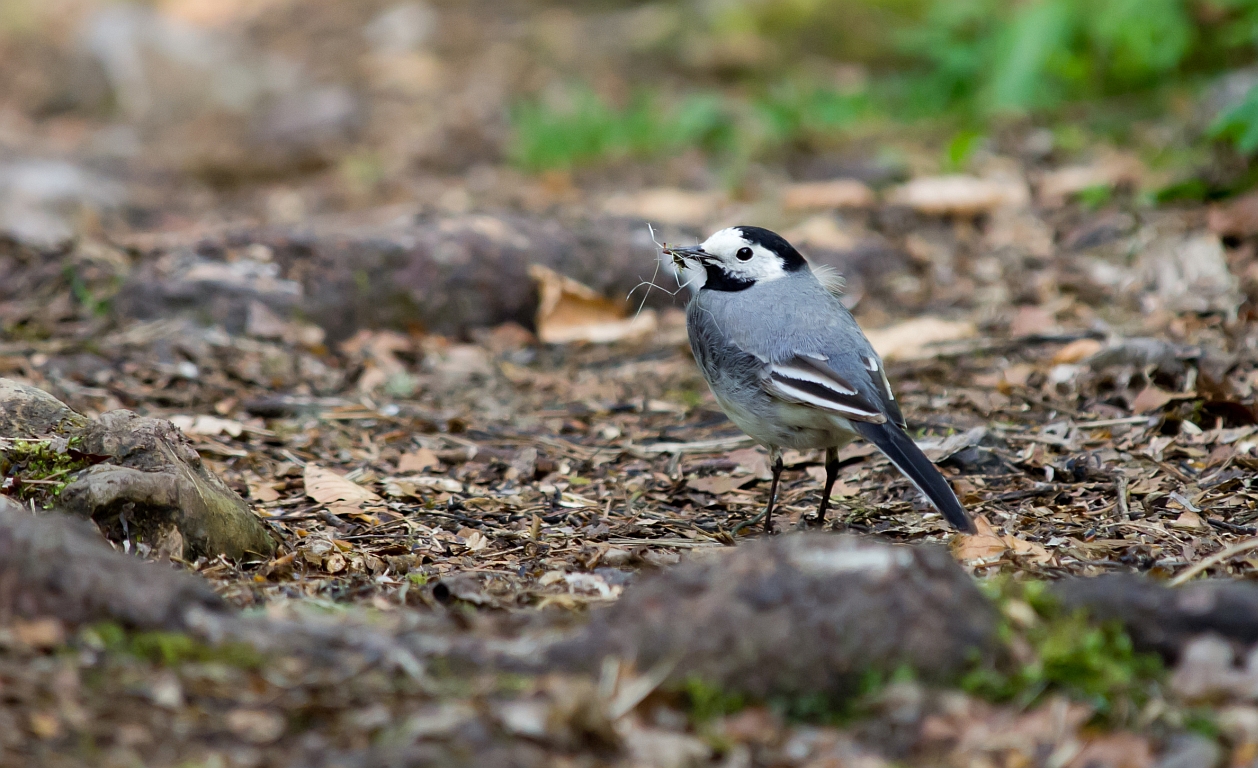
(180, 116)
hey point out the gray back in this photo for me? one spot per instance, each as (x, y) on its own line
(794, 315)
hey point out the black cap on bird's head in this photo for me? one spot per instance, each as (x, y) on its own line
(739, 257)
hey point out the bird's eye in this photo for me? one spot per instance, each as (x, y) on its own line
(744, 254)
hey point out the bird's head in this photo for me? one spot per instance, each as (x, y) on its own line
(737, 258)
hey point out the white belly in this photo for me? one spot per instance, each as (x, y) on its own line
(787, 425)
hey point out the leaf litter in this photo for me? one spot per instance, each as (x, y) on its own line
(496, 480)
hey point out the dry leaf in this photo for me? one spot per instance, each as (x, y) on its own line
(1023, 547)
(207, 425)
(841, 489)
(839, 193)
(39, 633)
(260, 491)
(717, 484)
(1151, 399)
(1015, 375)
(986, 543)
(327, 487)
(1116, 750)
(911, 339)
(666, 206)
(960, 195)
(981, 545)
(568, 311)
(1189, 520)
(823, 233)
(752, 460)
(418, 461)
(1031, 320)
(856, 451)
(408, 486)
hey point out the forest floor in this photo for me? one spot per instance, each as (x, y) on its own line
(1092, 421)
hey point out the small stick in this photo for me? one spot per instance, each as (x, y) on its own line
(1213, 560)
(1123, 509)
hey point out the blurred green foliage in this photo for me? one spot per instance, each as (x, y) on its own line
(1060, 651)
(1047, 651)
(967, 61)
(990, 56)
(1239, 124)
(588, 128)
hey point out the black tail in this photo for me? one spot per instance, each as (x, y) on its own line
(913, 464)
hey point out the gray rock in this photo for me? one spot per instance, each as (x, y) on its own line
(446, 274)
(1164, 619)
(1189, 273)
(152, 478)
(55, 565)
(1191, 750)
(401, 28)
(800, 614)
(43, 201)
(209, 100)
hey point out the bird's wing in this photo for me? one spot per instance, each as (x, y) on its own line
(878, 374)
(807, 380)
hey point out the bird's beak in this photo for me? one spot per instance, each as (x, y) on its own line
(681, 254)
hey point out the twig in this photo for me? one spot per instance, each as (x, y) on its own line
(733, 532)
(1112, 422)
(1213, 560)
(1123, 509)
(701, 446)
(637, 689)
(1233, 527)
(1029, 493)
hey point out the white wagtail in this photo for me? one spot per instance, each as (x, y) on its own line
(788, 363)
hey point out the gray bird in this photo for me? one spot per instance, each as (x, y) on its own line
(788, 363)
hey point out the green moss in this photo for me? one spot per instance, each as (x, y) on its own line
(705, 701)
(1096, 196)
(170, 649)
(1053, 650)
(39, 469)
(1048, 650)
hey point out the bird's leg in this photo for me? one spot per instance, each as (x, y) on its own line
(832, 474)
(775, 460)
(776, 457)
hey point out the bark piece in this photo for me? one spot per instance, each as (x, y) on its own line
(445, 274)
(153, 481)
(800, 614)
(26, 411)
(55, 565)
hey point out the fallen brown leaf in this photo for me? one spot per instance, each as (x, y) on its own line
(716, 484)
(981, 544)
(1151, 399)
(327, 487)
(569, 311)
(959, 195)
(911, 339)
(1077, 351)
(839, 193)
(418, 460)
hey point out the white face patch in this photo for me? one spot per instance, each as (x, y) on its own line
(763, 266)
